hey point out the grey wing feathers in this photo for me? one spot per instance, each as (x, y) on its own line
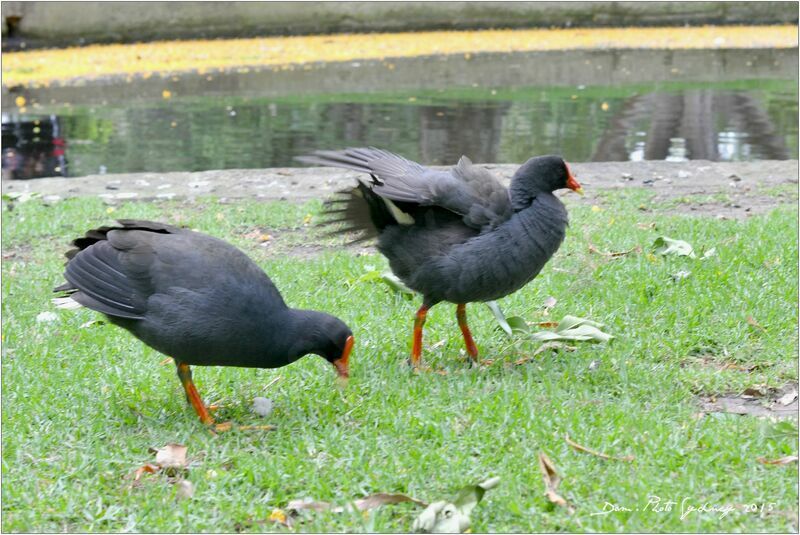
(466, 190)
(100, 283)
(97, 277)
(350, 208)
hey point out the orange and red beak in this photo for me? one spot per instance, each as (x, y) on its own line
(341, 364)
(572, 183)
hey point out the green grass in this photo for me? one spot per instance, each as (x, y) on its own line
(81, 406)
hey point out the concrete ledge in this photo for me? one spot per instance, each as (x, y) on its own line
(743, 182)
(74, 23)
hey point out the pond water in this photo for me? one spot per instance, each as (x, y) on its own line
(720, 121)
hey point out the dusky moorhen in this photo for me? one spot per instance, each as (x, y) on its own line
(457, 235)
(196, 299)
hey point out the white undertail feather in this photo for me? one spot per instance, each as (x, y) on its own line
(66, 303)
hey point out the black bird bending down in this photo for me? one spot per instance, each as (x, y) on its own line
(457, 235)
(197, 299)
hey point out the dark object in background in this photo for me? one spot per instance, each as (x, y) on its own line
(33, 148)
(197, 299)
(457, 235)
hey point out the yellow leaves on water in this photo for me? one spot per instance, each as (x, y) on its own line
(42, 66)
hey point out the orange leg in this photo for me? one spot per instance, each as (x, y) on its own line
(461, 316)
(419, 322)
(185, 375)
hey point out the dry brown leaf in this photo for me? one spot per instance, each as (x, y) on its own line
(584, 449)
(646, 226)
(551, 482)
(547, 324)
(171, 456)
(223, 427)
(751, 320)
(613, 254)
(382, 498)
(787, 398)
(783, 460)
(146, 469)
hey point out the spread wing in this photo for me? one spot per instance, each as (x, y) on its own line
(467, 190)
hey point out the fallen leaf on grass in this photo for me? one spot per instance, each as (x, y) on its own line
(575, 328)
(437, 345)
(613, 254)
(584, 449)
(395, 283)
(279, 516)
(668, 246)
(388, 278)
(382, 498)
(146, 469)
(363, 504)
(185, 490)
(551, 482)
(91, 323)
(258, 236)
(309, 505)
(500, 317)
(171, 456)
(709, 253)
(682, 274)
(787, 398)
(453, 516)
(170, 460)
(646, 226)
(751, 321)
(754, 392)
(783, 460)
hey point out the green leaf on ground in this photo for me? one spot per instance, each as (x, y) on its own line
(500, 317)
(454, 516)
(667, 246)
(575, 328)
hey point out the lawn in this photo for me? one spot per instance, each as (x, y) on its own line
(82, 404)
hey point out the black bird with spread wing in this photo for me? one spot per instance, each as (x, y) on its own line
(455, 235)
(197, 299)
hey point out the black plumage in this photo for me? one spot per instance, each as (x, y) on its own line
(197, 299)
(454, 235)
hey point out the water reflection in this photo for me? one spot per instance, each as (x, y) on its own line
(32, 147)
(583, 124)
(697, 124)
